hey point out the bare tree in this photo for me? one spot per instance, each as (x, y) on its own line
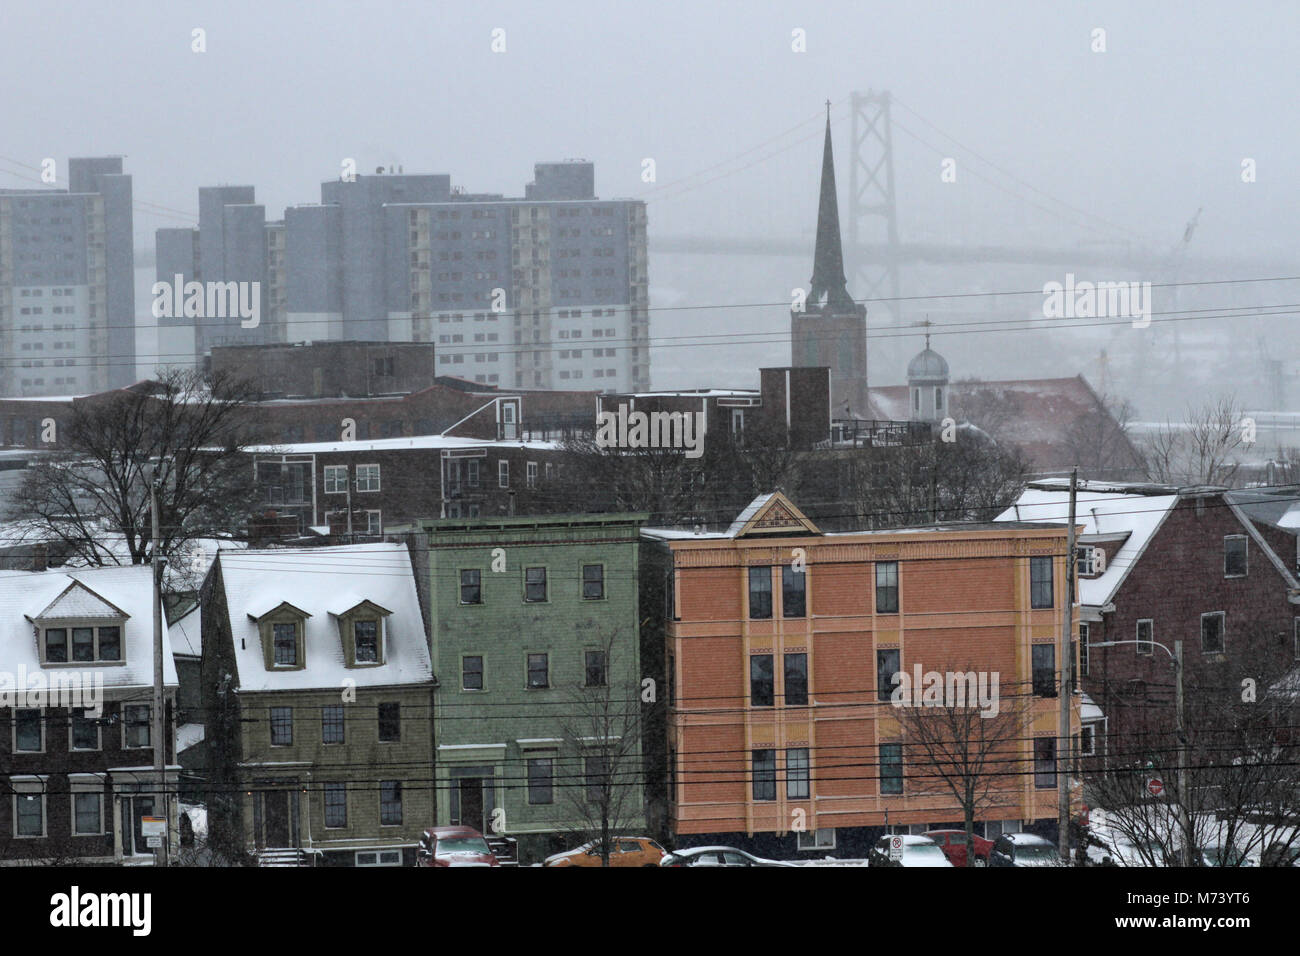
(1205, 449)
(962, 747)
(91, 497)
(603, 740)
(1099, 441)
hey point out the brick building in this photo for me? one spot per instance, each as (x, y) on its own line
(779, 680)
(1160, 564)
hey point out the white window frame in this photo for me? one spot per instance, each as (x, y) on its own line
(378, 856)
(13, 740)
(331, 479)
(503, 472)
(815, 839)
(1092, 740)
(1223, 631)
(126, 725)
(367, 479)
(531, 474)
(325, 805)
(1245, 539)
(375, 525)
(98, 794)
(1150, 642)
(1085, 655)
(99, 734)
(27, 787)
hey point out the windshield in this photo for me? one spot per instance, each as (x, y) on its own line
(449, 846)
(1036, 854)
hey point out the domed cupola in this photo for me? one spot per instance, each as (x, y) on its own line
(927, 383)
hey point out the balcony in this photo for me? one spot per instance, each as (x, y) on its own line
(870, 433)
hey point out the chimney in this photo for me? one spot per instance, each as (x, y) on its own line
(40, 557)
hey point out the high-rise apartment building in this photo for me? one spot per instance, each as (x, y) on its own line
(548, 290)
(67, 300)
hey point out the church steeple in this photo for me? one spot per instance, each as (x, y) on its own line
(828, 256)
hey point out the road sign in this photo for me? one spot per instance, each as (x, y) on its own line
(1155, 786)
(895, 848)
(153, 827)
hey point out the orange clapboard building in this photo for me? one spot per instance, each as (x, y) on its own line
(782, 737)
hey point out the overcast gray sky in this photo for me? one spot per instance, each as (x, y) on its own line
(1138, 137)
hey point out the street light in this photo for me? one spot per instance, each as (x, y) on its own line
(1176, 658)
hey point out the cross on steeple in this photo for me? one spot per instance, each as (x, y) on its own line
(926, 325)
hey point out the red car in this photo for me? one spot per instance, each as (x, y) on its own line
(953, 844)
(453, 846)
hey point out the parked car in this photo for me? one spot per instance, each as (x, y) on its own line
(453, 846)
(716, 856)
(1024, 849)
(917, 851)
(953, 844)
(625, 851)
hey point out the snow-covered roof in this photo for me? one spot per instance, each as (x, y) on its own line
(187, 735)
(313, 579)
(425, 442)
(187, 633)
(1102, 513)
(65, 592)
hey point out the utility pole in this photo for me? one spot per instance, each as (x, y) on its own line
(1067, 672)
(159, 721)
(1184, 809)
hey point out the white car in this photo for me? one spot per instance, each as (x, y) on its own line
(917, 851)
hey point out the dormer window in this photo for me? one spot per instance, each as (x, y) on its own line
(361, 630)
(80, 627)
(283, 633)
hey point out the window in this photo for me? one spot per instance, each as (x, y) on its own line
(798, 781)
(540, 776)
(331, 724)
(471, 586)
(286, 644)
(1234, 556)
(1083, 649)
(1044, 762)
(83, 643)
(891, 768)
(390, 803)
(367, 478)
(137, 725)
(887, 665)
(390, 722)
(336, 479)
(596, 770)
(820, 839)
(281, 726)
(87, 818)
(886, 587)
(595, 668)
(1089, 561)
(365, 638)
(534, 585)
(530, 474)
(1043, 659)
(29, 814)
(1087, 742)
(593, 582)
(503, 473)
(1040, 582)
(110, 643)
(471, 473)
(539, 671)
(56, 645)
(1144, 637)
(471, 672)
(85, 731)
(793, 592)
(764, 763)
(29, 731)
(761, 686)
(1212, 626)
(796, 679)
(336, 805)
(760, 593)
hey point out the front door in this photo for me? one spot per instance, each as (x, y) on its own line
(133, 839)
(471, 803)
(275, 818)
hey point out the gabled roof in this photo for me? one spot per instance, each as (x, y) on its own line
(319, 582)
(128, 590)
(261, 614)
(772, 513)
(79, 602)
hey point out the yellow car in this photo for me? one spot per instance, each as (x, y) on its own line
(626, 851)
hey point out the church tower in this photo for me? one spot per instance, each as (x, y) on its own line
(831, 330)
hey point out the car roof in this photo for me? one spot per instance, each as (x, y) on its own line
(452, 831)
(1027, 839)
(707, 849)
(911, 839)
